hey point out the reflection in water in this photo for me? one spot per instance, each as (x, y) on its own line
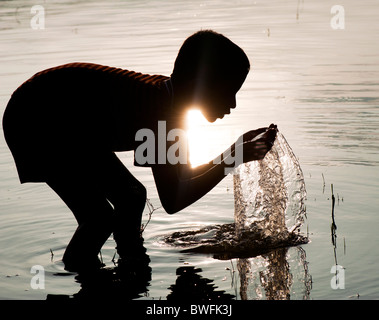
(265, 271)
(333, 228)
(275, 276)
(116, 283)
(277, 279)
(338, 279)
(191, 286)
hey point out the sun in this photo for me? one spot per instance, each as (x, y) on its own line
(206, 140)
(198, 134)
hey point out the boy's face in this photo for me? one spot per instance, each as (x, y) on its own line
(216, 108)
(217, 99)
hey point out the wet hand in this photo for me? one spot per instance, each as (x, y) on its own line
(250, 135)
(257, 143)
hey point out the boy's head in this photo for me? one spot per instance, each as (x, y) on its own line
(208, 72)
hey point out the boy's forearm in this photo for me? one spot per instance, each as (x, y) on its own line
(221, 162)
(181, 185)
(198, 181)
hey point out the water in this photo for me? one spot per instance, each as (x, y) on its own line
(269, 202)
(270, 193)
(269, 210)
(319, 85)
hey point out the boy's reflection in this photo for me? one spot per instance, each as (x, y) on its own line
(275, 279)
(114, 284)
(191, 286)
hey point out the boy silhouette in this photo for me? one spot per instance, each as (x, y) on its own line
(64, 125)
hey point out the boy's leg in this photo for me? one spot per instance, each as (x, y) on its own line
(90, 189)
(128, 197)
(93, 213)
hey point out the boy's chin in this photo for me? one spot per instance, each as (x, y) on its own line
(212, 117)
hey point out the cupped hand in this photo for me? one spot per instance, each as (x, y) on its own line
(250, 135)
(256, 143)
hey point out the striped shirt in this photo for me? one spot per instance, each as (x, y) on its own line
(70, 110)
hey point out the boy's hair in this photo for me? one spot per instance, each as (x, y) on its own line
(207, 55)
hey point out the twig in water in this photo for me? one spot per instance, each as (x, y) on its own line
(151, 210)
(344, 246)
(333, 228)
(333, 203)
(52, 255)
(233, 274)
(113, 259)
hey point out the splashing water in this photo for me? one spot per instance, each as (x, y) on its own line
(269, 194)
(269, 207)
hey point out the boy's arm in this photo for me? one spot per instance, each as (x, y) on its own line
(181, 185)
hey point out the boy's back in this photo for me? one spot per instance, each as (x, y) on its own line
(76, 108)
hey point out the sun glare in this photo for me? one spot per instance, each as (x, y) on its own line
(198, 134)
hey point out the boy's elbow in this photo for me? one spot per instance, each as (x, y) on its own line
(172, 202)
(171, 210)
(170, 207)
(172, 193)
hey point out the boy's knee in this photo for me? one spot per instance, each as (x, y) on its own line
(133, 198)
(139, 193)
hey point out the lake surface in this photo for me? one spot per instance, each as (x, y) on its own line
(319, 84)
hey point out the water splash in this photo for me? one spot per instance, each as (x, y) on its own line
(269, 210)
(269, 194)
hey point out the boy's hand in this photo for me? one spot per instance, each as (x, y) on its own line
(257, 143)
(250, 135)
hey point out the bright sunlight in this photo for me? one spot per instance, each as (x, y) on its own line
(208, 140)
(199, 135)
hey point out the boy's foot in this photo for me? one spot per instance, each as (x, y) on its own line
(134, 262)
(134, 268)
(82, 265)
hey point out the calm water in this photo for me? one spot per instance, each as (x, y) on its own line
(319, 85)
